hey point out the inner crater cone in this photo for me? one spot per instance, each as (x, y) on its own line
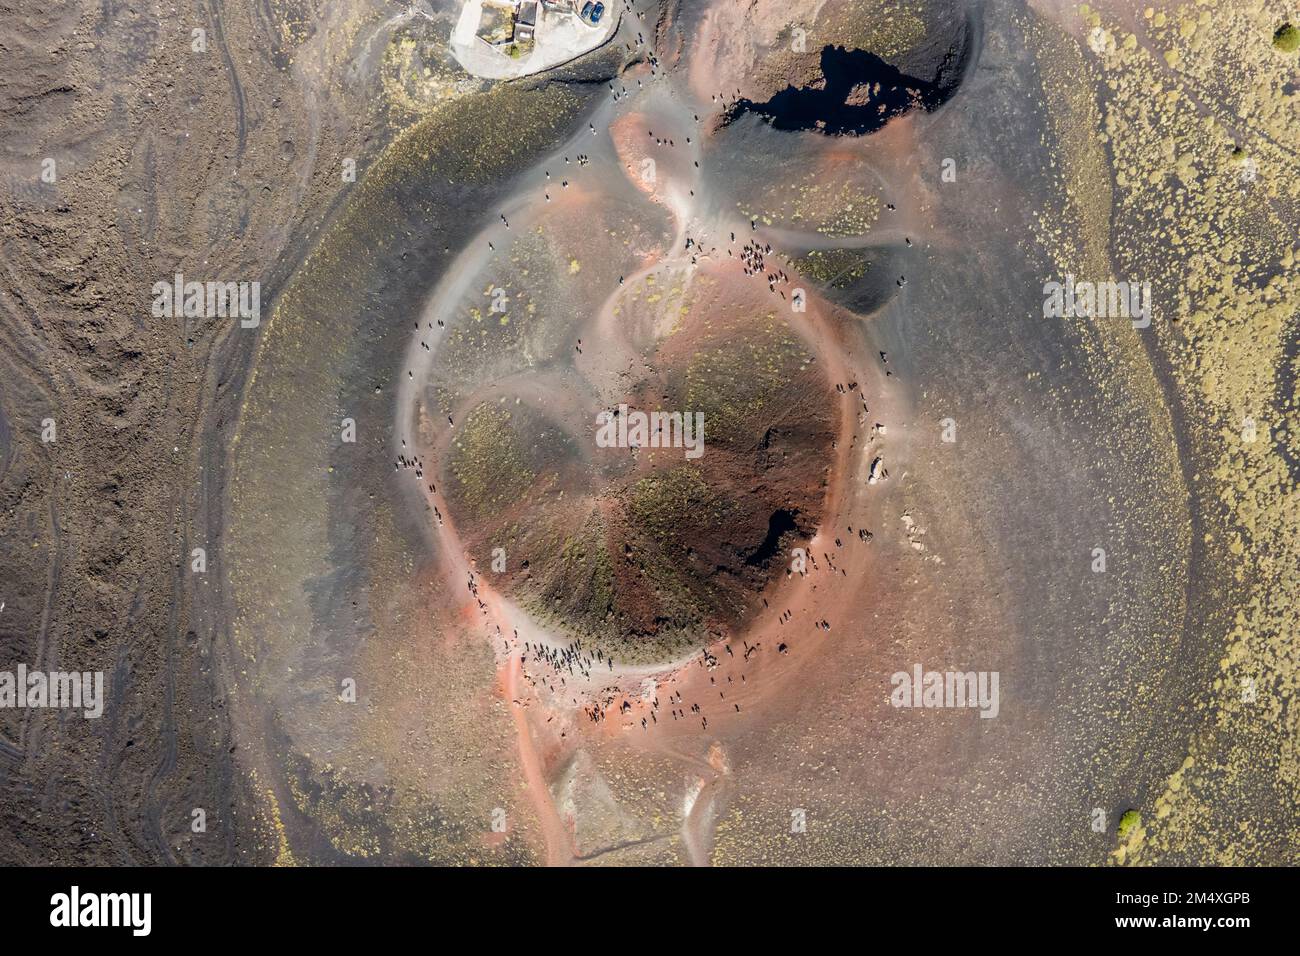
(647, 554)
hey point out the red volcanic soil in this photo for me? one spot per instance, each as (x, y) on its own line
(646, 551)
(747, 50)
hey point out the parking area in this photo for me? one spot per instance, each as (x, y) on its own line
(504, 39)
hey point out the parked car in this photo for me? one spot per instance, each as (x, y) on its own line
(596, 11)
